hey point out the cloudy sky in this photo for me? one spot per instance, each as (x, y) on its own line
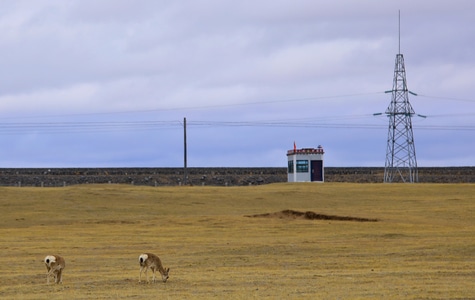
(108, 83)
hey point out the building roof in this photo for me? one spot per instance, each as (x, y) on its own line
(318, 150)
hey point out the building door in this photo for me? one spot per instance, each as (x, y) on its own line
(316, 170)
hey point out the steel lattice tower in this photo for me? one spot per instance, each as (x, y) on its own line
(401, 164)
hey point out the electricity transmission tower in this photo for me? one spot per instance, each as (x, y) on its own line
(401, 163)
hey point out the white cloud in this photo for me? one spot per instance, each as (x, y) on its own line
(79, 59)
(52, 101)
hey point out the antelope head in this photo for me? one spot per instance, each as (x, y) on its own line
(165, 274)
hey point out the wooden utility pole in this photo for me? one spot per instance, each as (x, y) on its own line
(185, 172)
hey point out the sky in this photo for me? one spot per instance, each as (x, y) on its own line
(109, 83)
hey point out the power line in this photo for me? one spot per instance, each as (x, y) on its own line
(199, 107)
(130, 125)
(97, 127)
(335, 122)
(80, 127)
(447, 98)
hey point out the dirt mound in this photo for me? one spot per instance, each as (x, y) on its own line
(309, 215)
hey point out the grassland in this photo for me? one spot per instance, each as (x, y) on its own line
(421, 247)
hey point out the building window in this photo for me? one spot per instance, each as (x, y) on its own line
(302, 166)
(290, 166)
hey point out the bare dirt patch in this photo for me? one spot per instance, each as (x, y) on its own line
(309, 215)
(114, 222)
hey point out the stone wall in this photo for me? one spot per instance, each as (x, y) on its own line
(209, 176)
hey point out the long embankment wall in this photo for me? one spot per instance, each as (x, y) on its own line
(53, 177)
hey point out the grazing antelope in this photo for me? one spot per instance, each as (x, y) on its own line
(149, 260)
(55, 265)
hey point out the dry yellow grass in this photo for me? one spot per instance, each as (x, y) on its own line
(423, 247)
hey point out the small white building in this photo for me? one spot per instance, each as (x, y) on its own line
(305, 165)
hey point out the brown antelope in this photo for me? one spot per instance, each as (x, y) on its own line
(55, 265)
(149, 260)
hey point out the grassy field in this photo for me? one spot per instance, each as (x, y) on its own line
(421, 247)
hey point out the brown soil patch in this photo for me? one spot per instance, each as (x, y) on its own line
(114, 222)
(309, 215)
